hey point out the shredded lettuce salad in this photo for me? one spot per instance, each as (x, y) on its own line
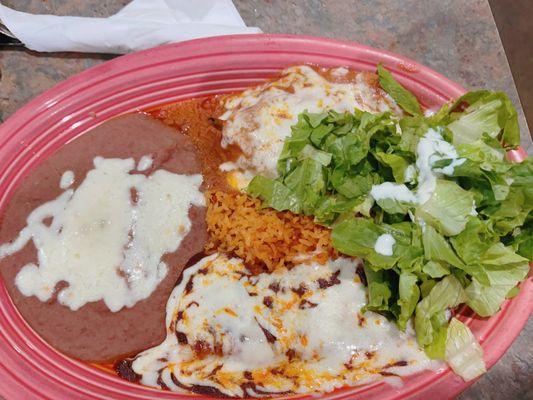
(429, 202)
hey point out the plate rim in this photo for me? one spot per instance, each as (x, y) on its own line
(46, 102)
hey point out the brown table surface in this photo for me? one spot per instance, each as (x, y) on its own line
(457, 38)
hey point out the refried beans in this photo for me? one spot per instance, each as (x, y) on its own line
(94, 333)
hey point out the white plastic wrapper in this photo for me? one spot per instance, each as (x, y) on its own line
(140, 25)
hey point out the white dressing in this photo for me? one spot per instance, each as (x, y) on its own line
(410, 174)
(430, 149)
(384, 244)
(394, 191)
(101, 242)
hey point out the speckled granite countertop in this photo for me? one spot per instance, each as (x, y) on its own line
(457, 38)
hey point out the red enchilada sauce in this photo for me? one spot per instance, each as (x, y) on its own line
(197, 119)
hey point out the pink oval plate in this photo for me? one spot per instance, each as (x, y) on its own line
(29, 368)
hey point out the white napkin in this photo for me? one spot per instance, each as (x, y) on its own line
(139, 25)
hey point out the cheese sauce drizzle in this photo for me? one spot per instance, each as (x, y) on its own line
(106, 237)
(67, 179)
(291, 331)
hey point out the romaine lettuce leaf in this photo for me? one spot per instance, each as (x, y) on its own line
(482, 153)
(274, 194)
(523, 240)
(473, 241)
(330, 207)
(429, 322)
(489, 112)
(294, 144)
(307, 183)
(436, 269)
(412, 129)
(512, 212)
(314, 154)
(436, 248)
(396, 163)
(481, 117)
(448, 209)
(352, 186)
(509, 119)
(409, 294)
(523, 173)
(379, 287)
(393, 206)
(401, 95)
(426, 286)
(504, 269)
(513, 292)
(439, 324)
(463, 352)
(498, 255)
(486, 300)
(357, 237)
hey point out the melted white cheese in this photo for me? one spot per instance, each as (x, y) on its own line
(103, 244)
(228, 166)
(298, 331)
(67, 179)
(384, 244)
(259, 119)
(145, 163)
(341, 71)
